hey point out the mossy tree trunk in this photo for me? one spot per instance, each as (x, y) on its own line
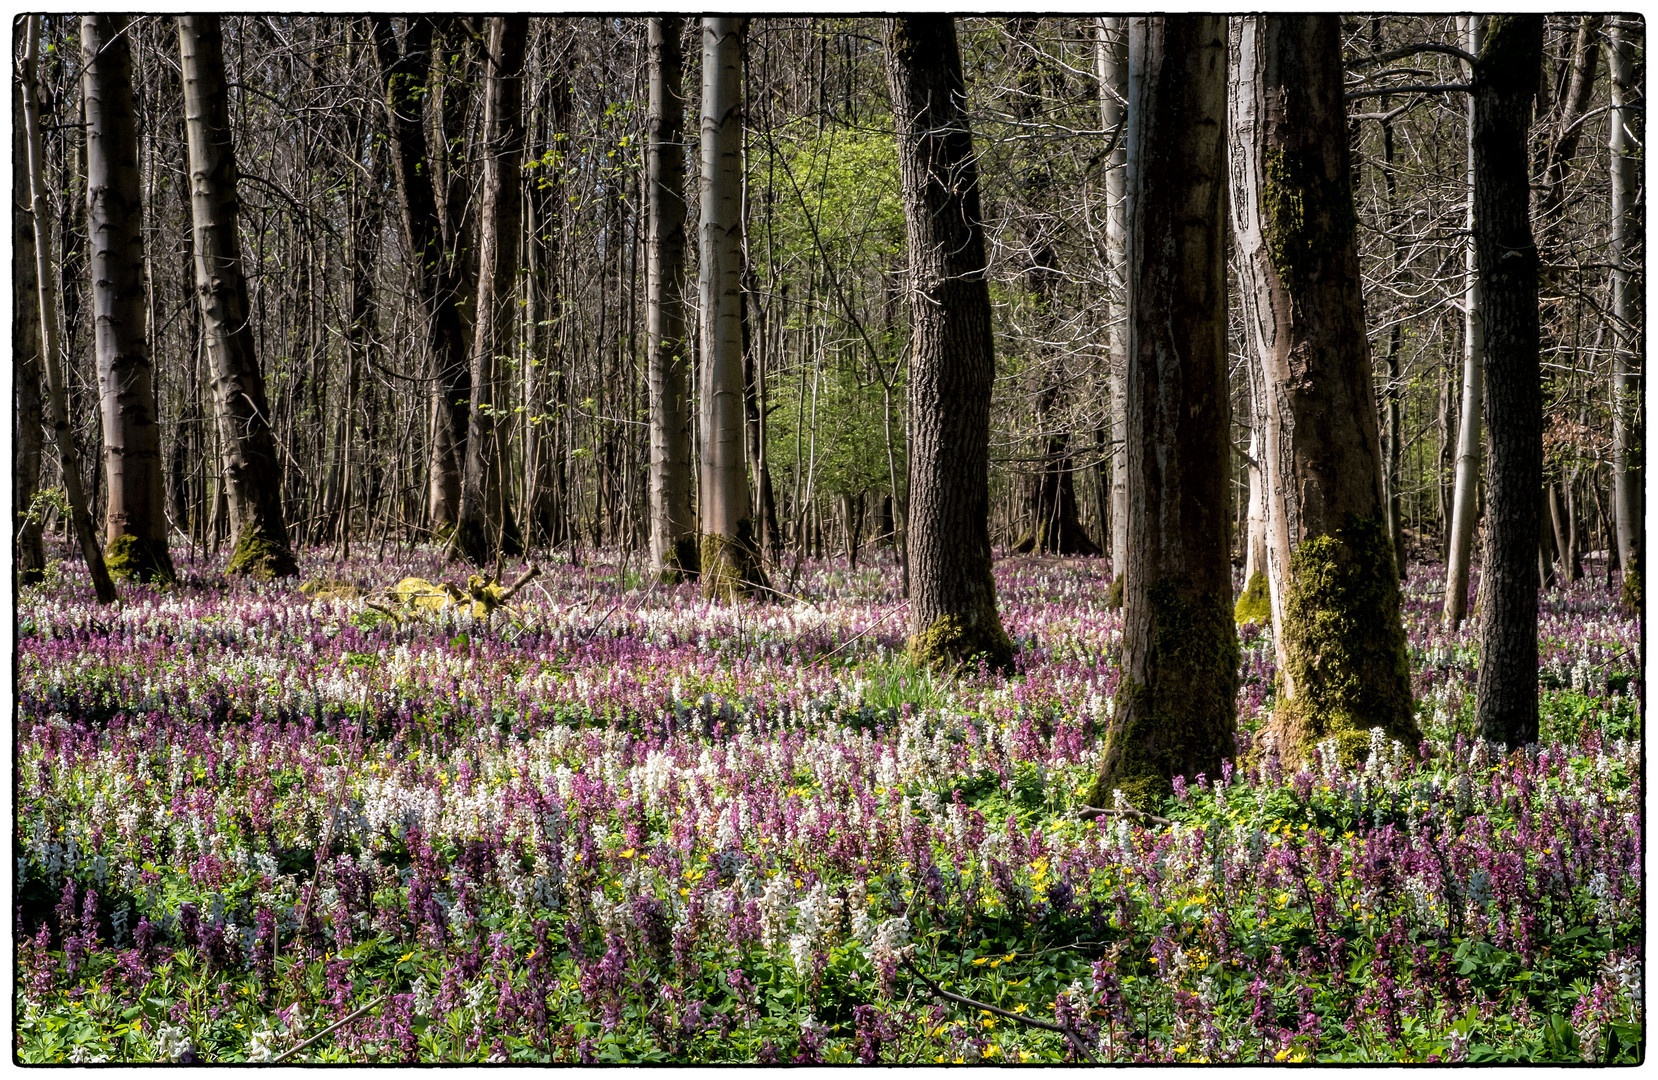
(436, 271)
(674, 554)
(953, 617)
(486, 527)
(1505, 83)
(1628, 217)
(252, 472)
(1176, 709)
(135, 518)
(1334, 589)
(29, 435)
(730, 555)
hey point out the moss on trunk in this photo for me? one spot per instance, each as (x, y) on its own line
(1255, 604)
(129, 557)
(730, 566)
(953, 642)
(1632, 599)
(1114, 593)
(260, 557)
(1345, 645)
(1182, 722)
(682, 562)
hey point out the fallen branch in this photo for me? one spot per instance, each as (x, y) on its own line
(528, 576)
(1089, 813)
(1075, 1040)
(865, 630)
(286, 1054)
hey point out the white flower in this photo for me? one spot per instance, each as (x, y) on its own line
(170, 1042)
(259, 1047)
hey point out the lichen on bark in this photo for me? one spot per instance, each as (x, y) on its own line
(1342, 633)
(953, 642)
(258, 556)
(1310, 217)
(129, 557)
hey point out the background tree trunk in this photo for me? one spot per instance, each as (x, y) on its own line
(486, 527)
(1505, 81)
(1465, 495)
(1176, 706)
(252, 472)
(1340, 641)
(1628, 221)
(1113, 54)
(135, 520)
(674, 554)
(953, 617)
(29, 434)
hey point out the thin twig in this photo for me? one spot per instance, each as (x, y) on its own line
(286, 1054)
(865, 630)
(1074, 1039)
(528, 576)
(1088, 813)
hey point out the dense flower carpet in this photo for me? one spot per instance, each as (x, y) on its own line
(611, 822)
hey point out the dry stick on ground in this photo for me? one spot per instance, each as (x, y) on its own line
(1076, 1040)
(286, 1054)
(1088, 813)
(902, 605)
(528, 576)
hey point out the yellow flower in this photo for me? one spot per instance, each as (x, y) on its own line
(404, 957)
(1021, 1007)
(992, 1050)
(1181, 1049)
(981, 960)
(628, 854)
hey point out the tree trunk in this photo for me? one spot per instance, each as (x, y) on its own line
(486, 528)
(1112, 56)
(252, 471)
(1339, 637)
(135, 520)
(1505, 81)
(436, 271)
(730, 558)
(1464, 497)
(953, 618)
(1176, 706)
(1628, 218)
(27, 515)
(674, 553)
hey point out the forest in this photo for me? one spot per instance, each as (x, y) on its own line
(828, 540)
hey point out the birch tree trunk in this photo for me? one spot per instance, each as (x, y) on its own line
(1176, 705)
(674, 554)
(252, 471)
(486, 527)
(1338, 632)
(1112, 56)
(1505, 82)
(29, 435)
(730, 557)
(135, 520)
(1628, 220)
(46, 309)
(1465, 493)
(953, 617)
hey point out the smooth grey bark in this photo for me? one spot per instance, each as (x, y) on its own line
(1334, 585)
(1465, 494)
(1505, 84)
(1176, 705)
(730, 555)
(1112, 59)
(28, 434)
(674, 553)
(1628, 220)
(135, 518)
(248, 461)
(953, 618)
(486, 527)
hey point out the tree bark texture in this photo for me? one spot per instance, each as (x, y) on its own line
(674, 553)
(1113, 53)
(135, 520)
(252, 472)
(436, 272)
(730, 555)
(1465, 494)
(952, 360)
(1505, 82)
(486, 527)
(1340, 639)
(1176, 706)
(28, 432)
(1628, 225)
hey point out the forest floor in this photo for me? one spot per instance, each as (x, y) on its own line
(611, 822)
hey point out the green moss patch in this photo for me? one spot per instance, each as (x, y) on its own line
(731, 566)
(682, 562)
(1255, 603)
(127, 556)
(953, 642)
(1309, 216)
(258, 556)
(1114, 592)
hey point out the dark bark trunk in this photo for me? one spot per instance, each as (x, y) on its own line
(1505, 82)
(953, 363)
(1176, 707)
(247, 450)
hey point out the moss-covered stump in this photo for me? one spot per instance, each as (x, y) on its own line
(422, 595)
(1114, 592)
(331, 589)
(954, 642)
(1182, 720)
(258, 556)
(127, 556)
(681, 562)
(1344, 645)
(731, 568)
(1255, 603)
